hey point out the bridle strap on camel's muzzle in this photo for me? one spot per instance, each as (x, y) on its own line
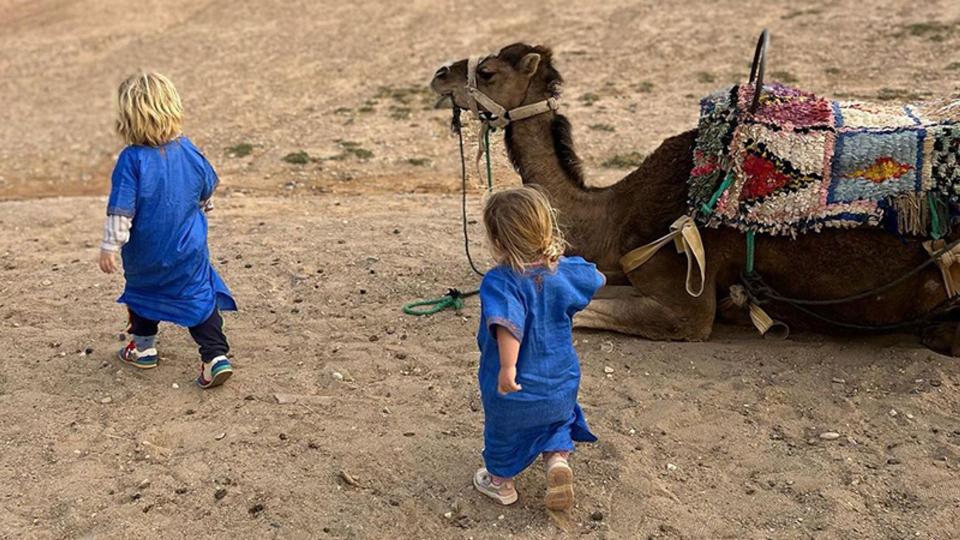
(495, 114)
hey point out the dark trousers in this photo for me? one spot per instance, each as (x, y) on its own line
(208, 334)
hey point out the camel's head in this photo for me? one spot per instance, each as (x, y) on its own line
(517, 75)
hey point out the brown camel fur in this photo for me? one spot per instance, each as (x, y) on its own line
(602, 224)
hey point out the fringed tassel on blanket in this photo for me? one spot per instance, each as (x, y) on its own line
(913, 214)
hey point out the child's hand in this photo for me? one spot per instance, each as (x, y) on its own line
(108, 261)
(507, 382)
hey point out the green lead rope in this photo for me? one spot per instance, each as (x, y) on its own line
(936, 229)
(751, 246)
(708, 207)
(452, 300)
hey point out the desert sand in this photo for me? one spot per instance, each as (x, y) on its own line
(349, 419)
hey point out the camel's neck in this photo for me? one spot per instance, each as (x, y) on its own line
(541, 156)
(602, 224)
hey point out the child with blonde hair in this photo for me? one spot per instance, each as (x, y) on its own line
(160, 190)
(529, 370)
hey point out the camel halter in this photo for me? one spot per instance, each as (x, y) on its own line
(497, 115)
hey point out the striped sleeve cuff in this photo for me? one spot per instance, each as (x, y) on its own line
(116, 232)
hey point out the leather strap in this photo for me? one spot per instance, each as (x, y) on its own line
(686, 237)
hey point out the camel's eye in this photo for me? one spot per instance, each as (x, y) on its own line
(484, 74)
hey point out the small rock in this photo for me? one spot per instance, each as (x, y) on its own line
(337, 375)
(88, 351)
(501, 517)
(220, 493)
(909, 416)
(121, 337)
(838, 380)
(893, 461)
(935, 382)
(136, 496)
(180, 490)
(812, 441)
(312, 445)
(386, 410)
(409, 434)
(255, 509)
(349, 479)
(374, 338)
(448, 515)
(893, 412)
(175, 386)
(597, 516)
(401, 356)
(283, 436)
(144, 484)
(608, 370)
(106, 400)
(220, 436)
(671, 467)
(829, 435)
(188, 412)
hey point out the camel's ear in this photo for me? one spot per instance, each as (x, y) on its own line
(529, 64)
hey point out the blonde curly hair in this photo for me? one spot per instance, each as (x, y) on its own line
(149, 111)
(522, 229)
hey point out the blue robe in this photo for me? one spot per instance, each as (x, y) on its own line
(537, 307)
(166, 263)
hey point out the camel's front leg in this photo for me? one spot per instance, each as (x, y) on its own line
(657, 306)
(623, 309)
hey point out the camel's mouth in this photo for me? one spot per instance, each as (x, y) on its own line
(445, 101)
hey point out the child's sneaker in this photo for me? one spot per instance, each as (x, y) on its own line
(559, 485)
(214, 372)
(146, 359)
(483, 481)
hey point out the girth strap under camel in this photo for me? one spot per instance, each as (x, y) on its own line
(685, 236)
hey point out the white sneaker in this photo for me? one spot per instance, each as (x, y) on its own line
(483, 481)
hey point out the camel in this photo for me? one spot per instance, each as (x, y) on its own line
(603, 224)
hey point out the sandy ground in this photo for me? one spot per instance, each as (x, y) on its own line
(698, 440)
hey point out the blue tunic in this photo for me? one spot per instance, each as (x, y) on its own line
(166, 262)
(537, 307)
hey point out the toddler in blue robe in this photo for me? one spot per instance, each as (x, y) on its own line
(529, 371)
(160, 190)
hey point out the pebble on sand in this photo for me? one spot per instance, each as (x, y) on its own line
(220, 493)
(829, 435)
(608, 370)
(106, 400)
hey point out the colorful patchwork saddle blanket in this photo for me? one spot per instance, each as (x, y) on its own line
(799, 163)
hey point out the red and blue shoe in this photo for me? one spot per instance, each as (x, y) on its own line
(146, 359)
(214, 372)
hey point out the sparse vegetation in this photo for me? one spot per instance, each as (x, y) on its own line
(418, 162)
(899, 94)
(589, 99)
(801, 13)
(400, 113)
(931, 30)
(832, 71)
(704, 77)
(624, 161)
(297, 158)
(644, 87)
(602, 127)
(343, 110)
(784, 77)
(240, 150)
(955, 66)
(351, 148)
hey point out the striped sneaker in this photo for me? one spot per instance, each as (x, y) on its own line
(146, 359)
(214, 372)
